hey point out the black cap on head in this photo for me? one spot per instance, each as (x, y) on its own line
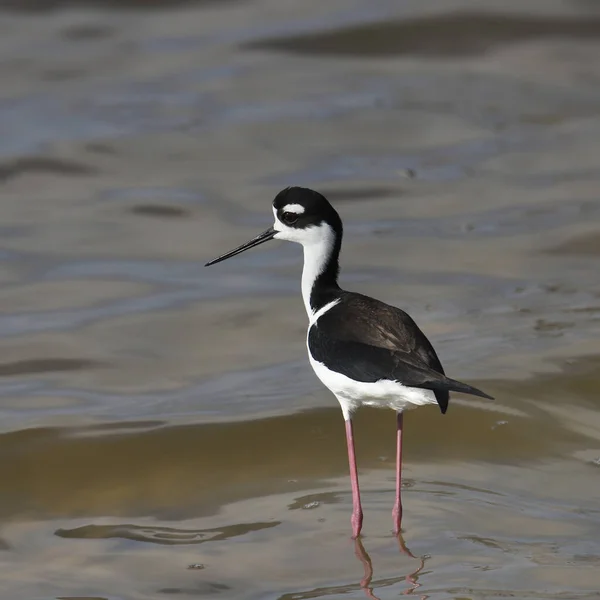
(302, 207)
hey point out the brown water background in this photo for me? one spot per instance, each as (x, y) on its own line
(155, 414)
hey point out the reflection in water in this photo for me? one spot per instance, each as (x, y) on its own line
(412, 578)
(162, 535)
(365, 583)
(365, 559)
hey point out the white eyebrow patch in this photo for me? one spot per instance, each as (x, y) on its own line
(294, 208)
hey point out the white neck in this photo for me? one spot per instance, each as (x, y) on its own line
(316, 255)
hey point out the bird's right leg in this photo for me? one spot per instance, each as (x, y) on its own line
(397, 512)
(357, 514)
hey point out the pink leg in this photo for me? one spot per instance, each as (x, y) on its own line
(357, 514)
(397, 512)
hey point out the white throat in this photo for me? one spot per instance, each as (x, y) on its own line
(317, 242)
(316, 254)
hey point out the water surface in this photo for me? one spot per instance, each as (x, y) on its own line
(156, 415)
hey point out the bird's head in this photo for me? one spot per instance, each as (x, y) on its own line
(302, 216)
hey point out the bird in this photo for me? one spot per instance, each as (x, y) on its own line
(366, 352)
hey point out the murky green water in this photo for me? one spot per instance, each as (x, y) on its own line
(155, 414)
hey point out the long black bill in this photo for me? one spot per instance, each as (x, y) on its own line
(265, 236)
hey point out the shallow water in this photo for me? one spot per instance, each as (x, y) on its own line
(156, 415)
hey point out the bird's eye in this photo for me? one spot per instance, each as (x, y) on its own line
(289, 217)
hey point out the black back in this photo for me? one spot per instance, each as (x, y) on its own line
(360, 318)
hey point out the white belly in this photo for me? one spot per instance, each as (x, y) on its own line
(381, 394)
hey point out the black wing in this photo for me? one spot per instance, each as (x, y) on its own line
(368, 340)
(367, 320)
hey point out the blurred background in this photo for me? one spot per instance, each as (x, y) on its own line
(155, 414)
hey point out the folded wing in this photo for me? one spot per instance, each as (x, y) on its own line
(381, 342)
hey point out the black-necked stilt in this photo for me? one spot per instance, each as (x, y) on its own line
(366, 352)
